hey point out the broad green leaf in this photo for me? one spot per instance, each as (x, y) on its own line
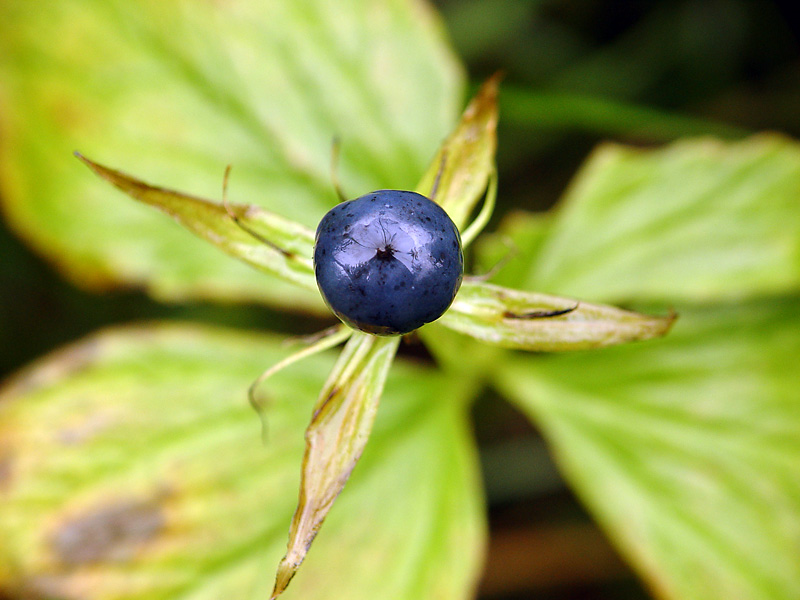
(131, 466)
(175, 91)
(335, 439)
(459, 173)
(538, 322)
(686, 449)
(698, 219)
(261, 238)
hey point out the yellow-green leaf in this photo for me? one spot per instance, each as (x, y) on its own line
(174, 91)
(695, 220)
(687, 450)
(132, 468)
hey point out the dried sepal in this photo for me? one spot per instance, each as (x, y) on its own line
(460, 171)
(286, 255)
(339, 429)
(544, 323)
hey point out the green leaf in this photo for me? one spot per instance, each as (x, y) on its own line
(687, 449)
(538, 322)
(335, 439)
(698, 219)
(538, 110)
(262, 239)
(459, 173)
(131, 466)
(175, 91)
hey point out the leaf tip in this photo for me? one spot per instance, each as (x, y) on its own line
(669, 320)
(77, 154)
(485, 100)
(492, 84)
(659, 326)
(97, 168)
(286, 571)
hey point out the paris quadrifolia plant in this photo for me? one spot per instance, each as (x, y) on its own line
(387, 264)
(131, 462)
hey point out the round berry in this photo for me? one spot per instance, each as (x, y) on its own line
(388, 262)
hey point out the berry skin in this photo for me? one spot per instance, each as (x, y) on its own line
(388, 262)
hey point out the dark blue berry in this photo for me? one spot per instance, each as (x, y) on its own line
(388, 262)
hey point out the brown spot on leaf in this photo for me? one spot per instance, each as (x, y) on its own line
(5, 472)
(109, 533)
(45, 587)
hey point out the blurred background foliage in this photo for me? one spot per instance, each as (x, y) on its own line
(576, 72)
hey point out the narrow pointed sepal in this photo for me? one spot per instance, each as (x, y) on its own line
(335, 438)
(540, 322)
(276, 245)
(460, 171)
